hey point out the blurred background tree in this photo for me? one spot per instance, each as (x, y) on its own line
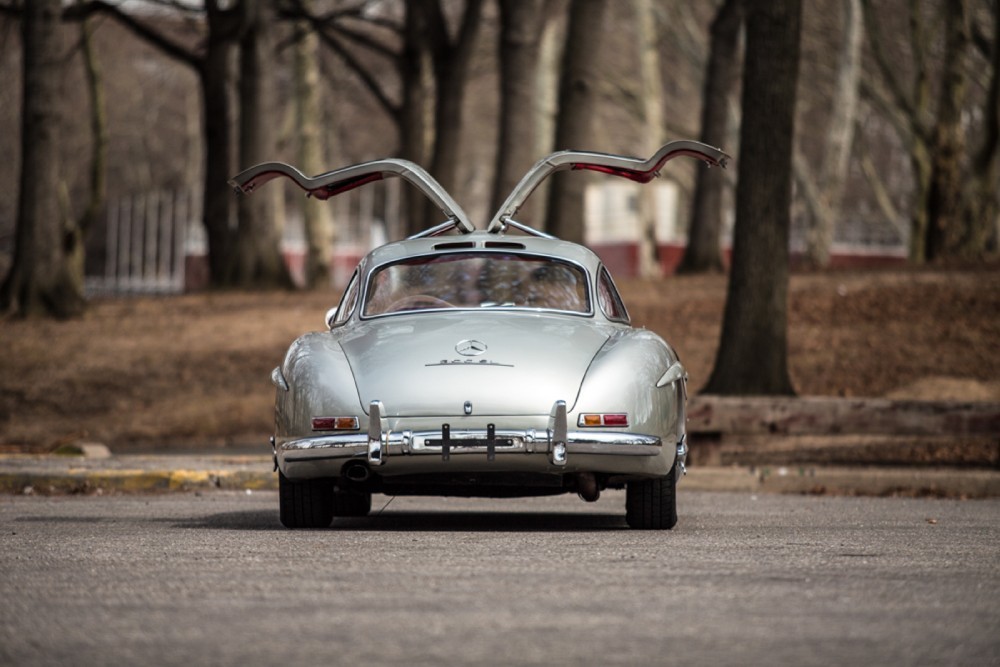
(896, 128)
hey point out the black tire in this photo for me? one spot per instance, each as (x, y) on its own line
(351, 503)
(305, 504)
(651, 504)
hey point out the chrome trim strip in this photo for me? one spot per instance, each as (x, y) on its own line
(673, 374)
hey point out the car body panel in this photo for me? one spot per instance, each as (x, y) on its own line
(391, 359)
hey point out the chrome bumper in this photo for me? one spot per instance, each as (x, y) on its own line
(380, 443)
(410, 443)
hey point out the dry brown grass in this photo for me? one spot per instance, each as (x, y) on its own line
(194, 370)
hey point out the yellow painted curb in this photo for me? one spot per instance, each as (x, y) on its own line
(134, 481)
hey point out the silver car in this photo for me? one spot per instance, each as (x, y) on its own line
(464, 362)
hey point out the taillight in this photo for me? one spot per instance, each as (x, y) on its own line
(335, 423)
(619, 419)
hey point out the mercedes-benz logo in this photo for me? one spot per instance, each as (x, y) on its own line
(470, 348)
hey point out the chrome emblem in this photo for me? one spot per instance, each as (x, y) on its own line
(470, 348)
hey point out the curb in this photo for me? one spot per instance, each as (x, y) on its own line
(134, 481)
(56, 475)
(847, 481)
(28, 474)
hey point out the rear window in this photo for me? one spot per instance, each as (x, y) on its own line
(478, 280)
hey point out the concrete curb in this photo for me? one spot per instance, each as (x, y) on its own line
(21, 475)
(847, 480)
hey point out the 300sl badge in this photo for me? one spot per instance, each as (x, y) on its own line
(468, 362)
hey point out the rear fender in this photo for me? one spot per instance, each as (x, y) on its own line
(623, 378)
(320, 384)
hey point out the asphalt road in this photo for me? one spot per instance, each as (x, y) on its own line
(187, 579)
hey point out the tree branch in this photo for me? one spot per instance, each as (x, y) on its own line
(154, 37)
(885, 67)
(10, 10)
(463, 44)
(366, 77)
(362, 39)
(880, 100)
(881, 193)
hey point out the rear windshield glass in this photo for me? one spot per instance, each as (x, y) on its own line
(477, 280)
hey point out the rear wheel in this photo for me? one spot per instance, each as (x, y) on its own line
(651, 504)
(305, 504)
(351, 503)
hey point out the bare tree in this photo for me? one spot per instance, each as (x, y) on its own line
(574, 125)
(211, 63)
(945, 199)
(824, 194)
(704, 251)
(257, 260)
(982, 210)
(546, 105)
(43, 279)
(431, 67)
(450, 57)
(98, 129)
(653, 137)
(316, 218)
(955, 186)
(753, 350)
(520, 35)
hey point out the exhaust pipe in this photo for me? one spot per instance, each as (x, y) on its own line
(357, 472)
(586, 487)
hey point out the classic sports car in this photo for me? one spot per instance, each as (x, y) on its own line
(494, 363)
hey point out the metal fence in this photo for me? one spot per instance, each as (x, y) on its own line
(142, 244)
(154, 243)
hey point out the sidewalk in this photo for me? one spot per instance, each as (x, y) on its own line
(163, 473)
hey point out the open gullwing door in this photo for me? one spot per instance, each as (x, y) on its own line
(338, 181)
(641, 171)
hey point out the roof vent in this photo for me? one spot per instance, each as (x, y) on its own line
(454, 245)
(505, 245)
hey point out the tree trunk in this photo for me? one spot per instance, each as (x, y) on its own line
(982, 211)
(574, 126)
(907, 108)
(944, 203)
(519, 49)
(98, 130)
(451, 66)
(753, 350)
(415, 78)
(704, 251)
(316, 218)
(257, 259)
(218, 202)
(43, 280)
(551, 45)
(653, 136)
(839, 139)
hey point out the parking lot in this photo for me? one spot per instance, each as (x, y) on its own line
(212, 578)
